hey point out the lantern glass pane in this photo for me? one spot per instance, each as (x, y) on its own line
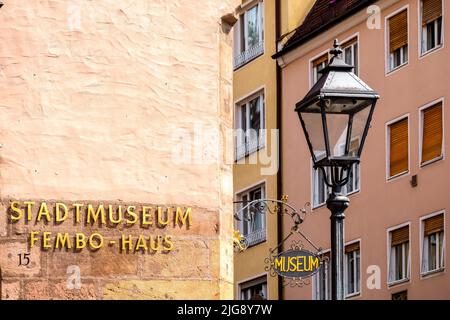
(314, 131)
(337, 125)
(360, 120)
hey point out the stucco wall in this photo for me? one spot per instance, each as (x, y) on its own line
(99, 101)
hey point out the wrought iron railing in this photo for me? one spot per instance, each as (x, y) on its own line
(255, 237)
(248, 55)
(250, 145)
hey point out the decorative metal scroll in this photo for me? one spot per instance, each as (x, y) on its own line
(297, 247)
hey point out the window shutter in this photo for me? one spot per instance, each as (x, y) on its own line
(400, 236)
(318, 61)
(398, 147)
(434, 224)
(432, 9)
(432, 133)
(398, 30)
(349, 43)
(352, 247)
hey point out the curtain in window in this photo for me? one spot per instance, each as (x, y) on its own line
(425, 255)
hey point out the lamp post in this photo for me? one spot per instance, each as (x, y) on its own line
(335, 116)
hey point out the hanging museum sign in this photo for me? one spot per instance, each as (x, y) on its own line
(87, 222)
(296, 264)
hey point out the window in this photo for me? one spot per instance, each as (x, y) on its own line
(431, 133)
(320, 188)
(402, 295)
(399, 255)
(398, 40)
(350, 52)
(254, 289)
(352, 269)
(249, 35)
(317, 65)
(250, 122)
(433, 244)
(398, 153)
(431, 24)
(253, 225)
(322, 279)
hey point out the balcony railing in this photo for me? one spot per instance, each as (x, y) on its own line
(248, 55)
(255, 237)
(251, 145)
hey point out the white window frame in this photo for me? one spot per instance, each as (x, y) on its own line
(388, 69)
(358, 292)
(421, 110)
(422, 240)
(356, 35)
(244, 141)
(388, 149)
(328, 280)
(422, 40)
(240, 224)
(313, 70)
(408, 266)
(247, 53)
(263, 280)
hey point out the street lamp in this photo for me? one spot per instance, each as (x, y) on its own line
(335, 116)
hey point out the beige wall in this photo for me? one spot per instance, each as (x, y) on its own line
(380, 204)
(93, 94)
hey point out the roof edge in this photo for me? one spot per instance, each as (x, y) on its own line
(322, 29)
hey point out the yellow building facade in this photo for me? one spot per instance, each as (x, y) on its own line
(260, 26)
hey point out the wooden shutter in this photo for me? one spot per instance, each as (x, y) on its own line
(349, 43)
(352, 247)
(400, 236)
(318, 61)
(398, 31)
(398, 133)
(431, 10)
(434, 224)
(432, 133)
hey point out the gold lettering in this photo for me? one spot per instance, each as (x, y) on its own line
(146, 216)
(15, 208)
(141, 244)
(179, 217)
(63, 240)
(99, 241)
(29, 205)
(77, 207)
(80, 242)
(279, 264)
(153, 246)
(94, 214)
(58, 217)
(46, 240)
(169, 243)
(130, 212)
(126, 242)
(111, 214)
(161, 222)
(33, 238)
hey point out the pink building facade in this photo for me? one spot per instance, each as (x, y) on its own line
(396, 224)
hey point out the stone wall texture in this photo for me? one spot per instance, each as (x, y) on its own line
(123, 102)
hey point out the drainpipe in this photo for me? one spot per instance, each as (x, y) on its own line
(278, 114)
